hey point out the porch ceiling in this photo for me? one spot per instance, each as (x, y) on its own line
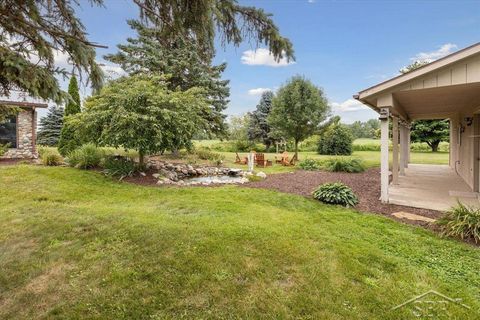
(439, 102)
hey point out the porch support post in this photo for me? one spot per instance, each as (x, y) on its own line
(409, 143)
(403, 150)
(384, 116)
(395, 150)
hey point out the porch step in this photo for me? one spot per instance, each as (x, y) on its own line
(412, 216)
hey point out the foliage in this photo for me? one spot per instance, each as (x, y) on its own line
(205, 154)
(309, 164)
(182, 62)
(140, 113)
(50, 127)
(69, 139)
(86, 157)
(32, 34)
(461, 221)
(365, 129)
(73, 104)
(351, 165)
(50, 157)
(336, 193)
(238, 127)
(431, 132)
(336, 140)
(413, 66)
(8, 111)
(186, 19)
(258, 127)
(298, 109)
(119, 166)
(4, 148)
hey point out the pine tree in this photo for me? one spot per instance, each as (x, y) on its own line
(73, 105)
(68, 140)
(183, 65)
(50, 127)
(259, 128)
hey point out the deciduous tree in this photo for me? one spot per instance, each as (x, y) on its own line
(298, 110)
(141, 113)
(431, 132)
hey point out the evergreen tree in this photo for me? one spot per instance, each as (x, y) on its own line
(181, 61)
(69, 141)
(50, 127)
(73, 105)
(258, 128)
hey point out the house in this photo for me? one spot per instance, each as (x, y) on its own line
(448, 88)
(20, 130)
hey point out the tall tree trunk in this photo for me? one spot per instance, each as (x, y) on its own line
(434, 145)
(296, 150)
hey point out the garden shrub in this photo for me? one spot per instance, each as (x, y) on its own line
(351, 165)
(4, 148)
(205, 154)
(308, 145)
(85, 157)
(119, 166)
(461, 221)
(336, 140)
(309, 164)
(336, 193)
(366, 147)
(50, 157)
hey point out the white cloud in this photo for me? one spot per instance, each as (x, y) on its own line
(442, 51)
(263, 57)
(112, 71)
(258, 91)
(312, 1)
(348, 106)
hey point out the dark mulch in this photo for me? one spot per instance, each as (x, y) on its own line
(147, 180)
(366, 186)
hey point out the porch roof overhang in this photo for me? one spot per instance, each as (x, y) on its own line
(437, 90)
(23, 104)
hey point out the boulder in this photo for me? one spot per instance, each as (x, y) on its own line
(261, 174)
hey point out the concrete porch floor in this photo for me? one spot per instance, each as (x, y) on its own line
(435, 187)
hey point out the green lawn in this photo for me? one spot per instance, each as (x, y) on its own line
(76, 245)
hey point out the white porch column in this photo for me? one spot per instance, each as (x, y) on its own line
(409, 143)
(384, 115)
(395, 150)
(403, 150)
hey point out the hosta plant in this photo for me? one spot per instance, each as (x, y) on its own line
(336, 193)
(462, 222)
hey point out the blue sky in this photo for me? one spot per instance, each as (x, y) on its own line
(341, 46)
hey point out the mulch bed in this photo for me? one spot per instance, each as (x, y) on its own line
(366, 186)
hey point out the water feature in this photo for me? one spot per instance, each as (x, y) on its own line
(216, 179)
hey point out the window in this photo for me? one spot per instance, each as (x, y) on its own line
(8, 132)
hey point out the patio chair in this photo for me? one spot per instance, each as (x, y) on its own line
(261, 161)
(240, 160)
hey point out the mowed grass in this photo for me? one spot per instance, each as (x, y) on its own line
(76, 245)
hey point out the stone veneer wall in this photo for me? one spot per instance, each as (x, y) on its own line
(26, 127)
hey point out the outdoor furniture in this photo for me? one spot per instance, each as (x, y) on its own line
(240, 160)
(284, 159)
(261, 161)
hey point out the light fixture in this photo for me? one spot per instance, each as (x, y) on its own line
(468, 121)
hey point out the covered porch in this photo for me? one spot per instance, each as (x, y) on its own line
(448, 88)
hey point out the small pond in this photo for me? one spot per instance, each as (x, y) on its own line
(216, 179)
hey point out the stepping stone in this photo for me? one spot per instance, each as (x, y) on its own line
(411, 216)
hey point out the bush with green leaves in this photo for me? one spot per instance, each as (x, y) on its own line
(461, 221)
(86, 157)
(205, 154)
(309, 164)
(336, 140)
(50, 157)
(351, 165)
(4, 148)
(336, 193)
(119, 166)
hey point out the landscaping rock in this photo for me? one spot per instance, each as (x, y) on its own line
(261, 174)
